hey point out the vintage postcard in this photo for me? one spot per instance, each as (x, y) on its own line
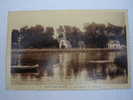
(67, 50)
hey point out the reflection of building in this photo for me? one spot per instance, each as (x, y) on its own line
(114, 44)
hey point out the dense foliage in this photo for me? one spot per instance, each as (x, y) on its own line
(93, 36)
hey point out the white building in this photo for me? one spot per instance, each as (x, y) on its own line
(64, 43)
(114, 44)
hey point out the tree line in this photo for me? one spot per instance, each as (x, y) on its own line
(93, 35)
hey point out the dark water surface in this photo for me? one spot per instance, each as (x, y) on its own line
(91, 65)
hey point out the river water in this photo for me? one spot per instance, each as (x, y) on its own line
(71, 68)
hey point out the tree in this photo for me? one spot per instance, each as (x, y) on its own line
(15, 35)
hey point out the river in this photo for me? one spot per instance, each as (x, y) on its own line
(71, 68)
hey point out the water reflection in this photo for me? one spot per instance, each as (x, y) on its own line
(68, 65)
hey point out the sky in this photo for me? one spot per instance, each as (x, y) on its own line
(55, 18)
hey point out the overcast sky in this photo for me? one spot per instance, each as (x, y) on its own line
(64, 17)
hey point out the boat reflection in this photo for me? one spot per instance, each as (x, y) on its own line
(68, 65)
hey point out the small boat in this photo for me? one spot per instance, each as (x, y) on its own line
(24, 69)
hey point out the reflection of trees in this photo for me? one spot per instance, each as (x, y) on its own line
(73, 66)
(121, 63)
(46, 65)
